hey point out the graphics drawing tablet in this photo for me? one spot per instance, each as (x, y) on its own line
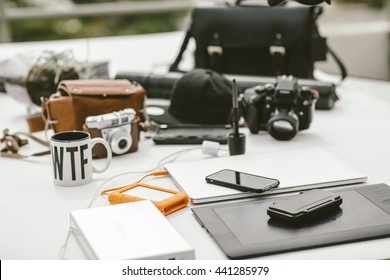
(244, 230)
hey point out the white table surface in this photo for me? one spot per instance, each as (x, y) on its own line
(34, 213)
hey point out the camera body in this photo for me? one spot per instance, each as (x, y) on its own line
(282, 109)
(119, 129)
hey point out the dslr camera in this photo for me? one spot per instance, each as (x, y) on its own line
(119, 129)
(282, 109)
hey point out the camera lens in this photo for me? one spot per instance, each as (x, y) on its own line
(120, 141)
(283, 126)
(122, 144)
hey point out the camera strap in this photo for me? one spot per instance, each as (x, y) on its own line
(11, 144)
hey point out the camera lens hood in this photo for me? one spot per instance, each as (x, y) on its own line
(283, 126)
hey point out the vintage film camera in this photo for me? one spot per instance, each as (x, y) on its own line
(282, 109)
(119, 129)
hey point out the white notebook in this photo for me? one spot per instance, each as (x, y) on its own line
(298, 169)
(136, 230)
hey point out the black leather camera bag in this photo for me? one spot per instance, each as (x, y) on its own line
(257, 40)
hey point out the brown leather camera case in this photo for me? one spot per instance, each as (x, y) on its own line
(75, 100)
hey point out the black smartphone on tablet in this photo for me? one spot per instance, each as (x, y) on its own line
(242, 181)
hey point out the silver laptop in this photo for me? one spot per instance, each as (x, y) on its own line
(296, 170)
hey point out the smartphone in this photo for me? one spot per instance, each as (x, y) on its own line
(242, 181)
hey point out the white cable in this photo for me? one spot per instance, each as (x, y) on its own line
(159, 166)
(176, 155)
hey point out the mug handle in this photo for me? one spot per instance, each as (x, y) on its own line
(99, 140)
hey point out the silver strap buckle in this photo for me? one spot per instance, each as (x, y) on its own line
(215, 50)
(277, 49)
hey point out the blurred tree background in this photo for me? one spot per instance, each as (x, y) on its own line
(98, 26)
(92, 26)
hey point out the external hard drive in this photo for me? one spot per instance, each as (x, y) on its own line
(304, 207)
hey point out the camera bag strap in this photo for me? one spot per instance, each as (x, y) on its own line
(12, 144)
(175, 65)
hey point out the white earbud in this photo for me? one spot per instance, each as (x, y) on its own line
(210, 147)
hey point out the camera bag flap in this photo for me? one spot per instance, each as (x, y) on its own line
(75, 100)
(254, 40)
(257, 40)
